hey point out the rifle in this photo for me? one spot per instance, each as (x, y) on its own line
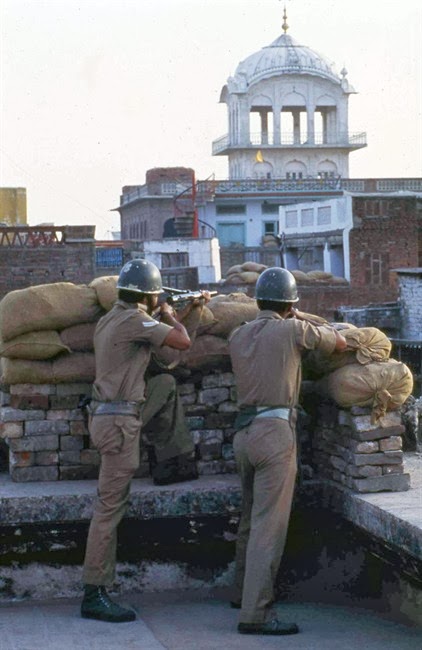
(178, 296)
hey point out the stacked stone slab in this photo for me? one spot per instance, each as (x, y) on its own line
(360, 455)
(46, 430)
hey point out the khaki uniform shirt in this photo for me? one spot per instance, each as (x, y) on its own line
(266, 358)
(123, 341)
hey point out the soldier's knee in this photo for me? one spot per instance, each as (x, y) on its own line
(167, 383)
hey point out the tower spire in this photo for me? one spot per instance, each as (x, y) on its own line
(285, 26)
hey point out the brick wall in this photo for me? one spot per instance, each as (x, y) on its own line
(70, 260)
(386, 235)
(146, 218)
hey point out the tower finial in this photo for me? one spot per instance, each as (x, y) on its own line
(285, 26)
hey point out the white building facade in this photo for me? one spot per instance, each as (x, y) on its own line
(288, 140)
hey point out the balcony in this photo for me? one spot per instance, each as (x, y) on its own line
(208, 189)
(222, 146)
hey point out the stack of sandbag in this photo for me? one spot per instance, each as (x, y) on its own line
(363, 375)
(246, 273)
(312, 277)
(40, 333)
(210, 348)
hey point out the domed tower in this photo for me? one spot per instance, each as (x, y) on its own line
(287, 115)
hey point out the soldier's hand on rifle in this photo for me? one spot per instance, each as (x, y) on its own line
(166, 310)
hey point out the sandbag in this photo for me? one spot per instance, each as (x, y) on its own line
(235, 296)
(34, 345)
(207, 352)
(253, 266)
(106, 290)
(234, 278)
(230, 315)
(370, 343)
(79, 338)
(237, 268)
(364, 345)
(47, 307)
(383, 386)
(319, 275)
(250, 277)
(300, 276)
(199, 320)
(78, 367)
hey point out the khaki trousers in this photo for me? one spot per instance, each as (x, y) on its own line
(117, 438)
(265, 453)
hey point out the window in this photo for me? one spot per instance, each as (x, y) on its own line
(307, 217)
(291, 218)
(174, 260)
(324, 216)
(294, 176)
(270, 227)
(230, 209)
(168, 188)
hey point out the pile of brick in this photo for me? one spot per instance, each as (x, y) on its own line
(365, 457)
(48, 439)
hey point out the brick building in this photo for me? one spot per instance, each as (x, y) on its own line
(147, 211)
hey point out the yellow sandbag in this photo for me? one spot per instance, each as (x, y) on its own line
(364, 345)
(77, 367)
(106, 290)
(300, 276)
(199, 320)
(319, 275)
(370, 343)
(230, 315)
(47, 307)
(34, 345)
(234, 278)
(237, 268)
(253, 266)
(207, 352)
(383, 386)
(250, 277)
(235, 296)
(79, 338)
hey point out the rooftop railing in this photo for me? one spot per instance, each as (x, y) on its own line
(356, 139)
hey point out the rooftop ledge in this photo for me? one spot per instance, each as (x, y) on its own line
(393, 517)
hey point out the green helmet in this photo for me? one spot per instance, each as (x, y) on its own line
(277, 285)
(140, 276)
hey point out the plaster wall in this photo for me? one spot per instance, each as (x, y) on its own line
(203, 254)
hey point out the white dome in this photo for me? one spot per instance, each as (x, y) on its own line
(284, 56)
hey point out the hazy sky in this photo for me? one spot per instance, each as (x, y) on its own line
(95, 92)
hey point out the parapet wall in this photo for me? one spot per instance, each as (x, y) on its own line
(46, 432)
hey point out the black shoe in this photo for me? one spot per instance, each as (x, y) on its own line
(235, 604)
(274, 627)
(97, 604)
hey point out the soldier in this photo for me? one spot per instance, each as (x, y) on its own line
(266, 360)
(124, 340)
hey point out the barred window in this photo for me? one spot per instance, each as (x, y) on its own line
(230, 209)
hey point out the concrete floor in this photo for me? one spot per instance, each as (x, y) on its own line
(195, 620)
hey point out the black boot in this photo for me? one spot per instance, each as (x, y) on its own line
(173, 470)
(97, 604)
